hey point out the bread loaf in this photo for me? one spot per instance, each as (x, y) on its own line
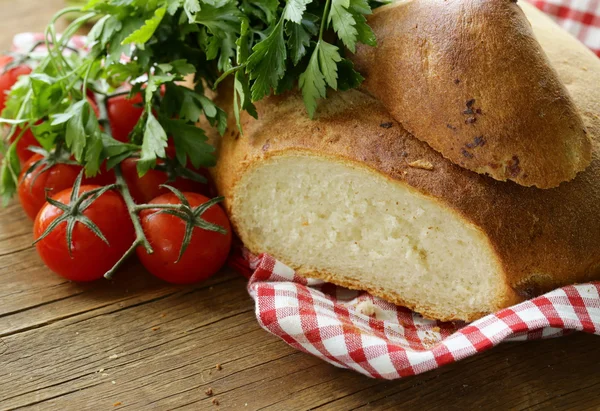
(353, 198)
(469, 78)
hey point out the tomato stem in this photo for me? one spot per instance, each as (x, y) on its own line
(117, 94)
(110, 273)
(103, 112)
(131, 208)
(180, 207)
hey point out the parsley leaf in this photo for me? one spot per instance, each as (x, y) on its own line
(191, 7)
(145, 33)
(75, 135)
(191, 142)
(348, 78)
(265, 10)
(321, 71)
(266, 64)
(299, 35)
(294, 9)
(9, 172)
(220, 20)
(114, 40)
(153, 146)
(344, 23)
(46, 134)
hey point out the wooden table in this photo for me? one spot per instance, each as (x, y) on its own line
(138, 343)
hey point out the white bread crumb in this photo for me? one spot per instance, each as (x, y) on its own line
(366, 307)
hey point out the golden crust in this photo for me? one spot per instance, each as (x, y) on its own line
(469, 78)
(542, 238)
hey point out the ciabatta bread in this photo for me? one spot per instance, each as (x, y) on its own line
(469, 78)
(351, 197)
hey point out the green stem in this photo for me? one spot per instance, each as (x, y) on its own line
(64, 11)
(83, 197)
(57, 58)
(227, 73)
(179, 207)
(86, 77)
(101, 99)
(110, 273)
(325, 13)
(131, 208)
(117, 94)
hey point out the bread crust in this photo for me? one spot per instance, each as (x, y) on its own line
(543, 239)
(469, 78)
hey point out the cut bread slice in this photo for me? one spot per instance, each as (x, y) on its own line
(469, 78)
(354, 199)
(348, 225)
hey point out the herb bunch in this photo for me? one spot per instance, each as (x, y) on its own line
(268, 46)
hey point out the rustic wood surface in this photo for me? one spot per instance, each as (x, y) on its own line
(137, 343)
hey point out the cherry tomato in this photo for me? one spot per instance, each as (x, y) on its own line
(33, 186)
(10, 77)
(205, 254)
(90, 257)
(144, 189)
(123, 115)
(103, 178)
(26, 141)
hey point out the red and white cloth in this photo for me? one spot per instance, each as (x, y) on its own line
(581, 18)
(24, 43)
(354, 330)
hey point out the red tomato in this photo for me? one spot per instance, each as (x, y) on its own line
(205, 254)
(123, 115)
(103, 178)
(24, 143)
(144, 189)
(90, 257)
(32, 186)
(10, 77)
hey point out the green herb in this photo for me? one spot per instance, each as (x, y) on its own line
(147, 48)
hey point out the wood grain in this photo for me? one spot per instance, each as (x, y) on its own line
(136, 343)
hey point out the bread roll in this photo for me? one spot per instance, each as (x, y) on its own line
(355, 199)
(469, 78)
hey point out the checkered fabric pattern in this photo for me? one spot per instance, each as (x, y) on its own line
(24, 42)
(579, 17)
(354, 330)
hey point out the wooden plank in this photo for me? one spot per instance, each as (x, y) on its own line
(75, 361)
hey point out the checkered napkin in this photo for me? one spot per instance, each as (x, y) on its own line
(579, 17)
(354, 330)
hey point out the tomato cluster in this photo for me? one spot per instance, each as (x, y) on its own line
(46, 194)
